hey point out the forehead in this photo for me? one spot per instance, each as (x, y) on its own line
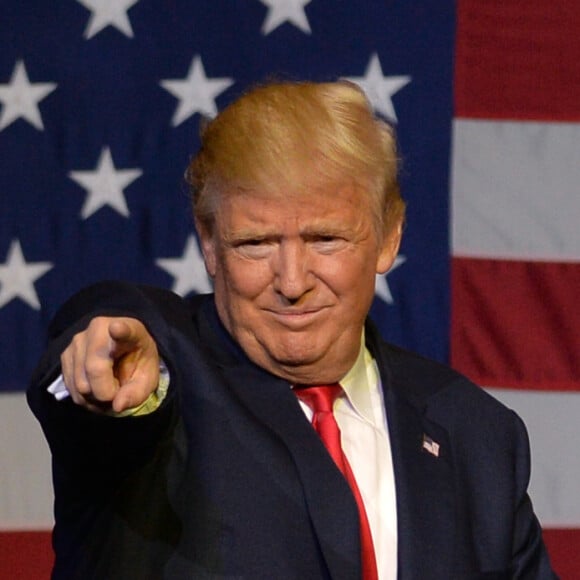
(346, 204)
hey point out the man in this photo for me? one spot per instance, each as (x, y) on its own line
(219, 474)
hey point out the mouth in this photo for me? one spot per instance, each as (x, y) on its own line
(296, 319)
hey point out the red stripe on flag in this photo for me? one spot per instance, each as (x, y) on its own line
(516, 324)
(25, 555)
(518, 60)
(564, 549)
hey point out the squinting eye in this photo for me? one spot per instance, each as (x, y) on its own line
(249, 243)
(327, 239)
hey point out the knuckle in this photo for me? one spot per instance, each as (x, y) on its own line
(96, 368)
(82, 386)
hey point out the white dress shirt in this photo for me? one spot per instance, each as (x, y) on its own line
(360, 414)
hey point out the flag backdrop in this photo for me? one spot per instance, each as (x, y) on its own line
(100, 109)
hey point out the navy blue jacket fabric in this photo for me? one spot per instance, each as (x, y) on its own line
(227, 479)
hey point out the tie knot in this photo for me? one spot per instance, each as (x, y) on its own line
(320, 398)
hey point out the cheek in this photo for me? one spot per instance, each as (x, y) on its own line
(355, 289)
(348, 276)
(244, 280)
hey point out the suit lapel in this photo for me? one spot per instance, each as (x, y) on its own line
(425, 493)
(270, 400)
(330, 503)
(424, 475)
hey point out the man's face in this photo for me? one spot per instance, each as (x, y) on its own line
(294, 278)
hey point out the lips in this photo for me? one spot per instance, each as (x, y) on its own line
(295, 319)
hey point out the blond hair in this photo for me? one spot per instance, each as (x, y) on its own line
(289, 138)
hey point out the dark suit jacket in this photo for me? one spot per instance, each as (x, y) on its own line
(227, 480)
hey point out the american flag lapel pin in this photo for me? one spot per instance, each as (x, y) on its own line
(430, 446)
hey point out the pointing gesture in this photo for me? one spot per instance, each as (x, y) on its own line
(112, 364)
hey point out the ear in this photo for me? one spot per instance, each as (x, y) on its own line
(208, 247)
(389, 248)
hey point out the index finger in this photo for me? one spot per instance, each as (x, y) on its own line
(127, 334)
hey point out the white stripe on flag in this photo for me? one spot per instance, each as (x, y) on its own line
(516, 190)
(25, 484)
(552, 419)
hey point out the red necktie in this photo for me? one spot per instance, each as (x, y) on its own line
(321, 399)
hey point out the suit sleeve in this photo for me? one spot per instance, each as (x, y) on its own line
(93, 448)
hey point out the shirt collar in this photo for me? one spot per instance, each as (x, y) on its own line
(361, 383)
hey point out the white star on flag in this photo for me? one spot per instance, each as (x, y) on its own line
(379, 88)
(280, 11)
(17, 277)
(108, 13)
(20, 98)
(196, 92)
(105, 185)
(189, 271)
(382, 289)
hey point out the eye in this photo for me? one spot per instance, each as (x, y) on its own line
(324, 238)
(251, 243)
(257, 242)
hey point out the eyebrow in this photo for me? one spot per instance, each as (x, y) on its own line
(266, 233)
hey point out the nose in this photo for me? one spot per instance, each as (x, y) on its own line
(293, 277)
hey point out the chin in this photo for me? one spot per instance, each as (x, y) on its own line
(293, 359)
(298, 348)
(292, 356)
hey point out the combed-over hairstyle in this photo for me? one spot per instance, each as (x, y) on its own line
(291, 137)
